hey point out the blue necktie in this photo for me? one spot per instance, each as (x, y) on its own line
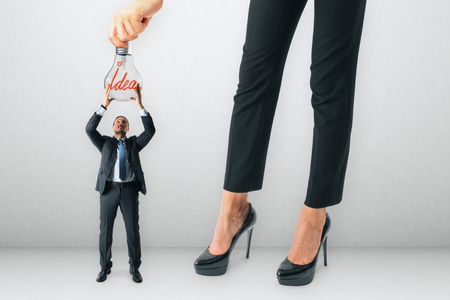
(122, 169)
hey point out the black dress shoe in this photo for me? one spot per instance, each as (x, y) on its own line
(102, 275)
(296, 275)
(136, 275)
(214, 265)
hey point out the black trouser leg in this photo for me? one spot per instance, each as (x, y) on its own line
(271, 24)
(336, 39)
(109, 202)
(129, 206)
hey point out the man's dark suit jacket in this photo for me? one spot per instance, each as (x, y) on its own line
(108, 147)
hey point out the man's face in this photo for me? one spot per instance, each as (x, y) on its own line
(120, 126)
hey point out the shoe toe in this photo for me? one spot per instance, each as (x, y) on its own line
(285, 268)
(209, 260)
(102, 275)
(136, 275)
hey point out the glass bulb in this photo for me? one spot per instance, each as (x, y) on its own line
(123, 76)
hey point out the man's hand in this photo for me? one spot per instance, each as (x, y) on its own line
(132, 20)
(138, 99)
(106, 99)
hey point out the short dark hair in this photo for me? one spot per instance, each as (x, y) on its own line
(121, 117)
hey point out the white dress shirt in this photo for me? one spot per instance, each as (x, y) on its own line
(114, 175)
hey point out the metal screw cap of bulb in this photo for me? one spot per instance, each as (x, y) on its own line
(124, 51)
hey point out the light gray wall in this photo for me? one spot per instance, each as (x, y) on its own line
(55, 54)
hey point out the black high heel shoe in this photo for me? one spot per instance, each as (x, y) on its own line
(214, 265)
(295, 275)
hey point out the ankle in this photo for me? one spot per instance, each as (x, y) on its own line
(234, 205)
(313, 218)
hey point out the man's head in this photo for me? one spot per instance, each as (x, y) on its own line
(120, 126)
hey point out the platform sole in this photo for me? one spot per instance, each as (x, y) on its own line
(299, 281)
(211, 271)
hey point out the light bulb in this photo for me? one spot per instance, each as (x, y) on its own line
(123, 76)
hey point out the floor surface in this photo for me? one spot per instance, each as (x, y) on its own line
(352, 273)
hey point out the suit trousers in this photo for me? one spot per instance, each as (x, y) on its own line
(336, 39)
(127, 199)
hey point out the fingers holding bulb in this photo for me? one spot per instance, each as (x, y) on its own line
(132, 33)
(132, 20)
(122, 29)
(138, 99)
(113, 37)
(136, 25)
(108, 90)
(106, 98)
(136, 91)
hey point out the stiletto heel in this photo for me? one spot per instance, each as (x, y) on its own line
(295, 275)
(213, 265)
(249, 240)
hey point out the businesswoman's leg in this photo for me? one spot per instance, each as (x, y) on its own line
(270, 27)
(336, 40)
